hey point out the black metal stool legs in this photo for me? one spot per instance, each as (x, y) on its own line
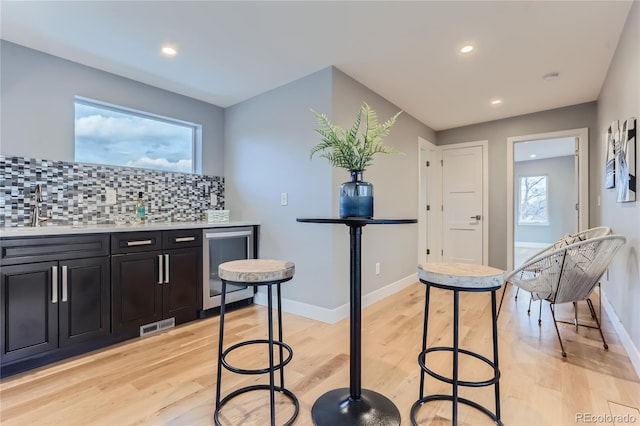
(220, 346)
(424, 339)
(456, 322)
(271, 369)
(272, 393)
(455, 352)
(494, 321)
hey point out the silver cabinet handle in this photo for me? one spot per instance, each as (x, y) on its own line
(64, 283)
(139, 243)
(54, 284)
(185, 239)
(166, 269)
(159, 269)
(476, 217)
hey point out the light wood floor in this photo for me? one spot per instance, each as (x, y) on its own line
(169, 378)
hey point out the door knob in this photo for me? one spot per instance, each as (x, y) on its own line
(476, 217)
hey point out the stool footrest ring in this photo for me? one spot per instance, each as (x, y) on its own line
(416, 406)
(488, 382)
(256, 371)
(246, 389)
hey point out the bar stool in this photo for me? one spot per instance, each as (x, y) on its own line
(256, 272)
(459, 277)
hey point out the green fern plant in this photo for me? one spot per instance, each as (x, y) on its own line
(353, 149)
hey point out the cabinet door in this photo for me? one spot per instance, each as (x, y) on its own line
(182, 295)
(84, 300)
(136, 290)
(29, 301)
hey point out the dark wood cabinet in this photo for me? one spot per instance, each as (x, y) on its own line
(84, 309)
(64, 295)
(48, 305)
(182, 297)
(29, 315)
(155, 276)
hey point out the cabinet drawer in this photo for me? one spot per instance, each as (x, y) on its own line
(15, 251)
(180, 238)
(134, 242)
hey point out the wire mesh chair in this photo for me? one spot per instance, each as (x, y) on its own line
(598, 231)
(567, 275)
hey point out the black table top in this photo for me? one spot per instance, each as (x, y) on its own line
(355, 221)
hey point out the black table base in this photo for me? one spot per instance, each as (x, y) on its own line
(337, 408)
(354, 405)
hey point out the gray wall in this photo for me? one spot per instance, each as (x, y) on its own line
(395, 181)
(562, 217)
(620, 99)
(268, 139)
(38, 93)
(497, 132)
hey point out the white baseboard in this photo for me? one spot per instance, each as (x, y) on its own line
(627, 343)
(332, 316)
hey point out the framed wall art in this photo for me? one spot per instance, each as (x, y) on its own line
(612, 136)
(625, 164)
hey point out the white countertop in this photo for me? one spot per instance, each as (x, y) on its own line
(27, 231)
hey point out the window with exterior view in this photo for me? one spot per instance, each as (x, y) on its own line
(533, 208)
(107, 134)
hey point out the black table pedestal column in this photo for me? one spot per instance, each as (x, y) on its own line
(355, 406)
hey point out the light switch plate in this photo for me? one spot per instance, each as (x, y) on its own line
(284, 198)
(110, 196)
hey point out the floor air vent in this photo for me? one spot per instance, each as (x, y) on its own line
(155, 327)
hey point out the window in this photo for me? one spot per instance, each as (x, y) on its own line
(534, 206)
(108, 134)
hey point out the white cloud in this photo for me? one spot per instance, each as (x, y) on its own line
(183, 166)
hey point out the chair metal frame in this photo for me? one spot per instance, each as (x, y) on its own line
(567, 275)
(598, 231)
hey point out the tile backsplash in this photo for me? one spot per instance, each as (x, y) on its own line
(75, 193)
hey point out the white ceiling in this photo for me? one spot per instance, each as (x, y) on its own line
(405, 51)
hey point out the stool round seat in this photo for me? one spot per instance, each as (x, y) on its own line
(256, 270)
(461, 275)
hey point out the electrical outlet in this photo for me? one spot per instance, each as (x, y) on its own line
(110, 196)
(377, 268)
(213, 199)
(284, 199)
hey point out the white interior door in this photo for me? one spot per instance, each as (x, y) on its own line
(463, 183)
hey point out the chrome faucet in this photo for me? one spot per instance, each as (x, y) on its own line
(35, 217)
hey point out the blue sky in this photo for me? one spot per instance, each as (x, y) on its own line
(108, 137)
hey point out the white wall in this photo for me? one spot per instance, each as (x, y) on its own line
(620, 99)
(37, 114)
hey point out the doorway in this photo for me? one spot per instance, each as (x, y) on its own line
(547, 190)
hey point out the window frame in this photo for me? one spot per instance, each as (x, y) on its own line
(196, 138)
(520, 221)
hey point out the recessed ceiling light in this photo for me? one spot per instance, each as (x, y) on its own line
(169, 51)
(496, 101)
(550, 76)
(532, 156)
(466, 49)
